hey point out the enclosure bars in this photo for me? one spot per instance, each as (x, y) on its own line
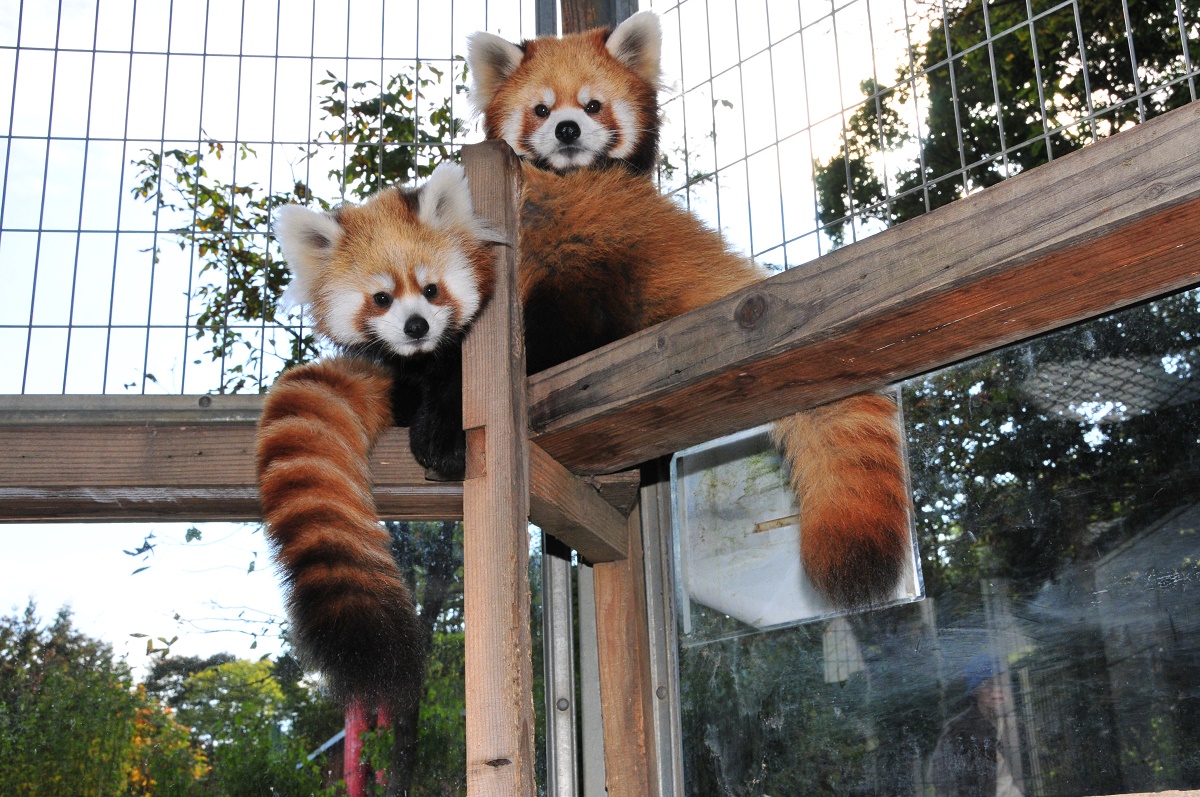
(1113, 224)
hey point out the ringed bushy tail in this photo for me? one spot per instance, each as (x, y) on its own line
(848, 472)
(352, 616)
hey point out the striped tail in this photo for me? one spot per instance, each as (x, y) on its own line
(848, 472)
(352, 616)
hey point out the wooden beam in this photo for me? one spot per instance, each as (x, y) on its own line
(625, 680)
(499, 676)
(573, 512)
(161, 471)
(1113, 224)
(137, 458)
(581, 15)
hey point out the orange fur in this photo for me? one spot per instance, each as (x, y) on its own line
(604, 236)
(352, 615)
(604, 245)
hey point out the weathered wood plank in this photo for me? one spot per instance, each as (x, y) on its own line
(198, 471)
(140, 458)
(625, 680)
(1111, 225)
(573, 512)
(499, 675)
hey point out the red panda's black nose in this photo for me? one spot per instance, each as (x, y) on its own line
(416, 327)
(567, 132)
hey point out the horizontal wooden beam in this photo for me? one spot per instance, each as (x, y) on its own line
(1113, 224)
(200, 471)
(137, 458)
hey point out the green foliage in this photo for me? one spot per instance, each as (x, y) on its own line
(242, 718)
(972, 469)
(67, 710)
(1002, 484)
(165, 762)
(387, 135)
(1032, 111)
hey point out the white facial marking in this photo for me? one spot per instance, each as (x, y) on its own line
(548, 98)
(593, 140)
(627, 126)
(422, 275)
(383, 282)
(459, 279)
(585, 96)
(511, 131)
(344, 306)
(390, 325)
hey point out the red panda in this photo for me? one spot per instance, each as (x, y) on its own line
(584, 100)
(393, 282)
(603, 255)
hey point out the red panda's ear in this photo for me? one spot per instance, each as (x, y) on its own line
(637, 43)
(444, 203)
(307, 239)
(490, 60)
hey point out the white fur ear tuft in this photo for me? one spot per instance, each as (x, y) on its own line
(445, 199)
(307, 238)
(637, 43)
(490, 60)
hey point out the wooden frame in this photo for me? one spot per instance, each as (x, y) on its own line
(1111, 225)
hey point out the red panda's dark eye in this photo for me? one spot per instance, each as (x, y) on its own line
(382, 299)
(541, 110)
(592, 107)
(430, 291)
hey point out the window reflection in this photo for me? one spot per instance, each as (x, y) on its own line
(1058, 649)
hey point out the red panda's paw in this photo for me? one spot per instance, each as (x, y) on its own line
(847, 468)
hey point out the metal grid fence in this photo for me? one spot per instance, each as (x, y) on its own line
(796, 127)
(146, 142)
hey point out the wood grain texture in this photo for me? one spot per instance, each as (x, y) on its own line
(581, 15)
(573, 512)
(499, 676)
(626, 687)
(115, 472)
(1102, 228)
(72, 458)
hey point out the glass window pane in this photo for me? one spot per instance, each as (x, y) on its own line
(1058, 649)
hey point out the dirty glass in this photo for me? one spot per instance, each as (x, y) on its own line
(1057, 650)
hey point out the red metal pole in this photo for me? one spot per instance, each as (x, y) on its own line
(355, 775)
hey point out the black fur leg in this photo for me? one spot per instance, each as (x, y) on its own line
(436, 432)
(437, 440)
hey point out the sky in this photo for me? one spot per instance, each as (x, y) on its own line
(77, 120)
(222, 605)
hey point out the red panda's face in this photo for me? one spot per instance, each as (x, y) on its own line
(575, 102)
(395, 283)
(406, 271)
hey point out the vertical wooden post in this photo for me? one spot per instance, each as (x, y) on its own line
(499, 680)
(625, 679)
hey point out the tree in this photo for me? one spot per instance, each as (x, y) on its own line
(71, 721)
(1008, 124)
(240, 717)
(165, 761)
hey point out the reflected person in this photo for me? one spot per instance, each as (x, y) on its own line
(970, 759)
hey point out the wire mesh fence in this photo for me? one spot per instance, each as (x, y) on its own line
(146, 143)
(797, 127)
